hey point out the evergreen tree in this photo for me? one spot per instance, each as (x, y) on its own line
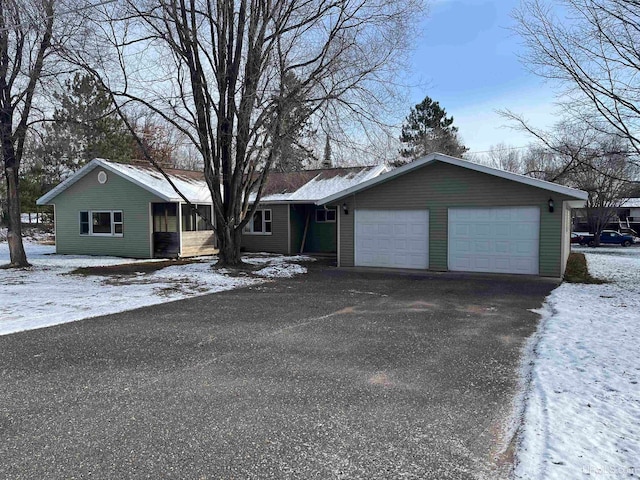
(327, 161)
(84, 127)
(295, 114)
(427, 129)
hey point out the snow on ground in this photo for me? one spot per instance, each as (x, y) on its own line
(47, 294)
(582, 407)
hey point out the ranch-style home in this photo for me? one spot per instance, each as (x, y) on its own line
(437, 213)
(447, 214)
(131, 210)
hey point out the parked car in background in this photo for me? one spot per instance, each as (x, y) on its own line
(609, 237)
(576, 238)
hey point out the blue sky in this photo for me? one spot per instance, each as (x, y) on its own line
(467, 59)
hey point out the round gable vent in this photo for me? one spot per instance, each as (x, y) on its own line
(102, 177)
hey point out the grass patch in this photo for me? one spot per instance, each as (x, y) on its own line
(577, 271)
(131, 268)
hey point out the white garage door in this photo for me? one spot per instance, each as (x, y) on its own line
(501, 240)
(392, 238)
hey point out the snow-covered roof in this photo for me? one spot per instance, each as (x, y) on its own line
(631, 203)
(286, 187)
(440, 157)
(191, 184)
(312, 185)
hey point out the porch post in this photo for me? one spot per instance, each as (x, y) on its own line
(179, 220)
(151, 220)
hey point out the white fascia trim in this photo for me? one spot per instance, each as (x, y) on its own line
(44, 200)
(99, 162)
(433, 157)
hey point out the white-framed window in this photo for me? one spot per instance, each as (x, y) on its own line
(260, 224)
(104, 223)
(196, 219)
(326, 215)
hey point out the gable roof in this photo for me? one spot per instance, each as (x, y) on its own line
(440, 157)
(309, 186)
(305, 186)
(190, 183)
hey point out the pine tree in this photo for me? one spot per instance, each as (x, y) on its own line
(427, 129)
(295, 114)
(84, 127)
(327, 162)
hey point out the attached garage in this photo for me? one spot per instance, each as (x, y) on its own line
(494, 240)
(395, 239)
(447, 214)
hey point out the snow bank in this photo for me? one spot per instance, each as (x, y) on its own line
(582, 412)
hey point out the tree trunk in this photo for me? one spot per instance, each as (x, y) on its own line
(14, 232)
(229, 246)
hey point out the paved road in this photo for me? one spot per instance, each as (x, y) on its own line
(328, 376)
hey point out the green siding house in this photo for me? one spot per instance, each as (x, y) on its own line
(130, 210)
(437, 213)
(447, 214)
(288, 221)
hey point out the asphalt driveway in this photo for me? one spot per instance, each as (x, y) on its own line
(326, 376)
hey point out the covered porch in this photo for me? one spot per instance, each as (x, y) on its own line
(192, 236)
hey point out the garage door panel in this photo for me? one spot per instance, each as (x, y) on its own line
(503, 247)
(400, 229)
(502, 263)
(416, 245)
(463, 247)
(481, 262)
(384, 229)
(524, 247)
(500, 239)
(503, 229)
(524, 230)
(384, 244)
(419, 229)
(480, 230)
(462, 230)
(390, 238)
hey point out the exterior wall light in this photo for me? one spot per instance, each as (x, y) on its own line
(551, 205)
(345, 208)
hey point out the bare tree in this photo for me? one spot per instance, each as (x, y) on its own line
(25, 41)
(32, 32)
(217, 72)
(502, 156)
(593, 48)
(607, 178)
(574, 154)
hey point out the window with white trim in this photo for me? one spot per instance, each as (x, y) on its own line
(260, 223)
(326, 215)
(104, 223)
